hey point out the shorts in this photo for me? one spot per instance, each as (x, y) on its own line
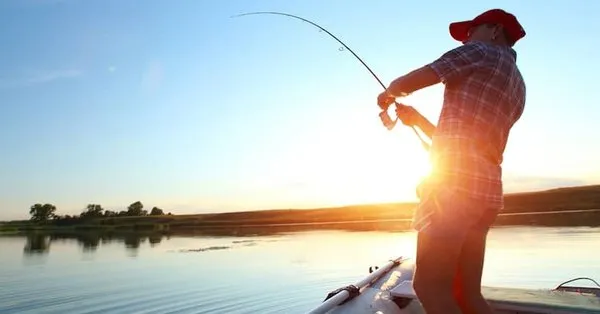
(448, 212)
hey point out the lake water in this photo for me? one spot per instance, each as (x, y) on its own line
(282, 273)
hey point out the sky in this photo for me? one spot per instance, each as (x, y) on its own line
(178, 105)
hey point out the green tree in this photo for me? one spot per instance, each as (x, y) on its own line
(156, 211)
(42, 213)
(136, 209)
(93, 211)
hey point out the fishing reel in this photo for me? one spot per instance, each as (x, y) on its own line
(390, 124)
(387, 120)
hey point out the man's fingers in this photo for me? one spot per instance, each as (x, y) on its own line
(405, 114)
(385, 101)
(401, 110)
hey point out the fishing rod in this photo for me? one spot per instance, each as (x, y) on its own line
(383, 115)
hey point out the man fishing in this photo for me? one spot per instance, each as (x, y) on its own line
(484, 96)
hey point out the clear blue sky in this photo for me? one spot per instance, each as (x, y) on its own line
(177, 105)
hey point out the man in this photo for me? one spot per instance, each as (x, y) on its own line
(484, 96)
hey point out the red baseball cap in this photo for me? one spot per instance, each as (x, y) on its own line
(512, 27)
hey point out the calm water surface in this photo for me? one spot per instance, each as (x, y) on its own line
(284, 273)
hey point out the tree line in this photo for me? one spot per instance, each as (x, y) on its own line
(47, 212)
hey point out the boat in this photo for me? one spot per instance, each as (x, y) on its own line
(388, 290)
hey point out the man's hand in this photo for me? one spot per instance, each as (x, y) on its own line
(385, 99)
(408, 115)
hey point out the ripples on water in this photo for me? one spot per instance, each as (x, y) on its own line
(284, 273)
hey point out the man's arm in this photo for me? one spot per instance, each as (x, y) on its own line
(413, 81)
(458, 62)
(411, 117)
(454, 64)
(426, 126)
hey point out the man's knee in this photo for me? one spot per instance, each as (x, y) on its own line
(428, 283)
(426, 288)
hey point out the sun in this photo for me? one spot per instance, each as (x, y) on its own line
(387, 169)
(374, 165)
(360, 165)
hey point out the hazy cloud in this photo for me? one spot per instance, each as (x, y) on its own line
(52, 76)
(39, 78)
(152, 77)
(38, 2)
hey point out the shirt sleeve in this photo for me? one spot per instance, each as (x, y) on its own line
(458, 62)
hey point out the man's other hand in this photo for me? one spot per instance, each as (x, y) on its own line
(408, 115)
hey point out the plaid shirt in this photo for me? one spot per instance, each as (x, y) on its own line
(484, 96)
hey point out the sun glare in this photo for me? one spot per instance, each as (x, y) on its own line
(353, 165)
(376, 165)
(352, 159)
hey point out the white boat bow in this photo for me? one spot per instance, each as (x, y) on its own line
(388, 290)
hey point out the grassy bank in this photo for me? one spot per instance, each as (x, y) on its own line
(547, 204)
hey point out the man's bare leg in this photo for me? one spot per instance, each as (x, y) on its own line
(436, 264)
(467, 284)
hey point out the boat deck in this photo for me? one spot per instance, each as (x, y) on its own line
(541, 301)
(390, 291)
(524, 301)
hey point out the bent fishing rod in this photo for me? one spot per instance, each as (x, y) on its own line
(383, 115)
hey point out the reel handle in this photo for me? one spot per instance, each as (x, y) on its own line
(390, 124)
(386, 119)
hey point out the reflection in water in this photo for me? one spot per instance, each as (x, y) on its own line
(234, 244)
(37, 244)
(210, 248)
(89, 242)
(133, 241)
(154, 240)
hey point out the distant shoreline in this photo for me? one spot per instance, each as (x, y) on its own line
(573, 206)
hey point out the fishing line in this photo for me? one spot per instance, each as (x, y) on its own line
(383, 115)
